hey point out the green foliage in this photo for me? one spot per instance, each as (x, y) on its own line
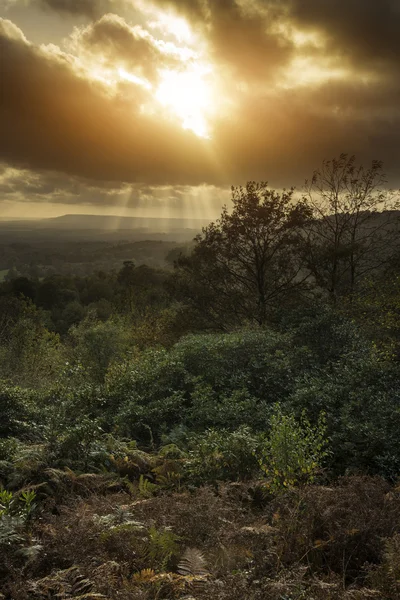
(17, 409)
(360, 396)
(204, 381)
(29, 345)
(15, 514)
(149, 393)
(82, 444)
(20, 506)
(11, 532)
(97, 344)
(163, 547)
(221, 455)
(293, 452)
(146, 488)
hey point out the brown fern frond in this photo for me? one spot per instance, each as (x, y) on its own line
(193, 564)
(62, 585)
(144, 576)
(81, 586)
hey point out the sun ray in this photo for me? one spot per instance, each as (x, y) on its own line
(188, 95)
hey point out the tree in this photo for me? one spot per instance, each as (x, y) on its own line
(126, 279)
(95, 345)
(246, 263)
(354, 227)
(30, 355)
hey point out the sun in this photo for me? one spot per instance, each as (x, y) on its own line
(188, 95)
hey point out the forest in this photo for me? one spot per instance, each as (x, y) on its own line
(217, 419)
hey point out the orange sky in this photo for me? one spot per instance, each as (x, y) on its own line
(149, 108)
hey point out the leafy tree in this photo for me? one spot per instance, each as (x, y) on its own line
(126, 279)
(22, 286)
(246, 263)
(30, 354)
(354, 230)
(97, 344)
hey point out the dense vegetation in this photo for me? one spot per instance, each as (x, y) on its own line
(225, 430)
(35, 259)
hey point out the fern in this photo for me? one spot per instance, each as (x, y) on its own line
(192, 563)
(10, 531)
(170, 481)
(162, 546)
(146, 488)
(144, 576)
(66, 584)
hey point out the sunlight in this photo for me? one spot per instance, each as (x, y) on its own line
(134, 79)
(167, 22)
(173, 25)
(188, 95)
(305, 71)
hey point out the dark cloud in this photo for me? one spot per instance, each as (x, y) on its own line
(47, 188)
(365, 32)
(50, 117)
(87, 8)
(52, 187)
(247, 41)
(284, 137)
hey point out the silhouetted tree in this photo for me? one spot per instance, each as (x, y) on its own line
(354, 228)
(246, 263)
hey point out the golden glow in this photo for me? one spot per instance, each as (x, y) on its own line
(166, 22)
(134, 79)
(175, 26)
(305, 71)
(188, 95)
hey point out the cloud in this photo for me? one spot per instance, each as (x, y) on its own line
(241, 34)
(365, 32)
(87, 8)
(247, 41)
(52, 117)
(112, 40)
(303, 83)
(19, 187)
(25, 185)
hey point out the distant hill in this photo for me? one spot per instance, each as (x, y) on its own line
(109, 223)
(101, 227)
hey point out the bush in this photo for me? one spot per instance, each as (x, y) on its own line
(18, 409)
(294, 450)
(207, 380)
(221, 455)
(361, 399)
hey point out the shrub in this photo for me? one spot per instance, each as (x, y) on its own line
(361, 398)
(221, 455)
(17, 409)
(293, 451)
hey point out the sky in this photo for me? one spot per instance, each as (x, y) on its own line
(155, 108)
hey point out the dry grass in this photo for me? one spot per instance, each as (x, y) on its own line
(338, 543)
